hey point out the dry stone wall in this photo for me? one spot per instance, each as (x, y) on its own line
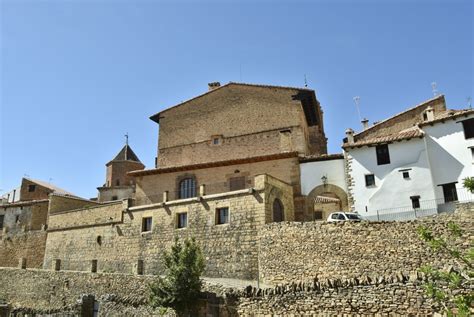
(299, 251)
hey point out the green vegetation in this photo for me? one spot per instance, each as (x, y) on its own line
(181, 286)
(468, 183)
(450, 287)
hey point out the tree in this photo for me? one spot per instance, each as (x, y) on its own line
(181, 286)
(450, 288)
(468, 183)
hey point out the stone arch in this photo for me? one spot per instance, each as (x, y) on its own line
(324, 198)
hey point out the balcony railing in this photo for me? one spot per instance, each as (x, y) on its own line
(427, 208)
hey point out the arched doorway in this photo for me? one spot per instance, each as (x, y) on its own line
(278, 211)
(324, 199)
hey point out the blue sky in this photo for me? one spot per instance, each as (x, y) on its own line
(77, 75)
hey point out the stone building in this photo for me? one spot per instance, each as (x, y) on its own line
(118, 184)
(23, 221)
(228, 163)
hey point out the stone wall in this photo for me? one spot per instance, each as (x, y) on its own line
(398, 294)
(187, 131)
(299, 251)
(231, 249)
(106, 214)
(60, 203)
(29, 245)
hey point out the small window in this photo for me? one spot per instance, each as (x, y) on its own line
(468, 126)
(425, 116)
(406, 175)
(182, 220)
(146, 224)
(215, 141)
(318, 215)
(335, 216)
(187, 188)
(222, 215)
(472, 153)
(17, 219)
(114, 197)
(1, 221)
(369, 180)
(415, 202)
(117, 182)
(31, 188)
(236, 183)
(383, 155)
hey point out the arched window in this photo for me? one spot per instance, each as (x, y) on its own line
(187, 188)
(278, 211)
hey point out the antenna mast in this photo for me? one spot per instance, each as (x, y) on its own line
(357, 101)
(305, 81)
(469, 102)
(434, 89)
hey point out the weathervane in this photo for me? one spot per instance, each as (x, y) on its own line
(126, 138)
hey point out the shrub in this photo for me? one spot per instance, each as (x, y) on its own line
(181, 286)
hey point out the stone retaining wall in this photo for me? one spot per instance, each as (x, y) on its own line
(299, 251)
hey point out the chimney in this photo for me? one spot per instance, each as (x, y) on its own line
(365, 123)
(350, 135)
(214, 85)
(429, 114)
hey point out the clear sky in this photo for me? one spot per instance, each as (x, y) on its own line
(77, 75)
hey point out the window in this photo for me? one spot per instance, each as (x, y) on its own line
(406, 175)
(468, 126)
(1, 221)
(415, 202)
(472, 153)
(117, 182)
(187, 188)
(31, 188)
(335, 216)
(369, 180)
(278, 214)
(236, 183)
(449, 192)
(146, 224)
(17, 218)
(215, 141)
(222, 215)
(114, 197)
(383, 155)
(182, 220)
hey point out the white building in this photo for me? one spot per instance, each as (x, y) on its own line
(411, 164)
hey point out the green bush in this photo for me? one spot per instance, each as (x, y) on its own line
(181, 286)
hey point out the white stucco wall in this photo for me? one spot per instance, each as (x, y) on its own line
(312, 172)
(450, 155)
(391, 189)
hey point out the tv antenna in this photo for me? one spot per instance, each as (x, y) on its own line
(434, 88)
(305, 81)
(357, 101)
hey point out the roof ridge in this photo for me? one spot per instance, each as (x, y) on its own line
(400, 113)
(155, 117)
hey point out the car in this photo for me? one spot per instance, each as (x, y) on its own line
(344, 216)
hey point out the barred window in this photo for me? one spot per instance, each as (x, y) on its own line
(187, 188)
